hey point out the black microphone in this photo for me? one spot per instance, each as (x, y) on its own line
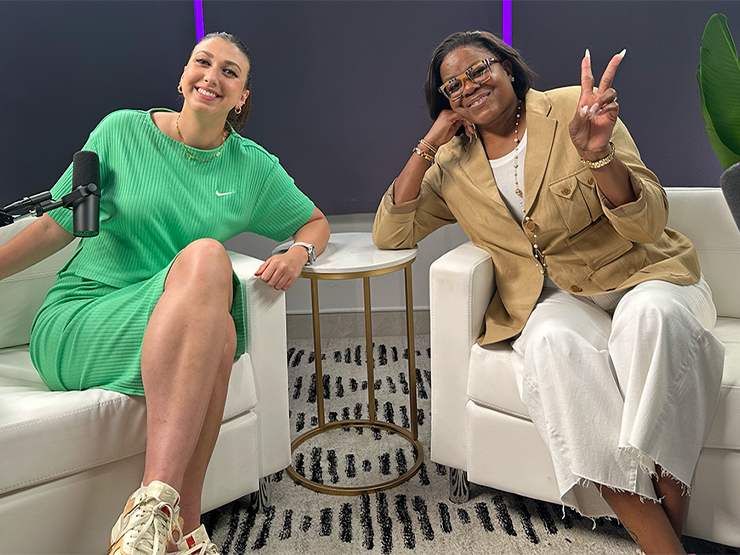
(86, 210)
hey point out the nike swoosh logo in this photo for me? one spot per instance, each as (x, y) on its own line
(223, 194)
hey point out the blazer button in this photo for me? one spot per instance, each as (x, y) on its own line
(531, 226)
(566, 191)
(575, 289)
(590, 180)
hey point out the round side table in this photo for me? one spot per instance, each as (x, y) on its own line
(354, 256)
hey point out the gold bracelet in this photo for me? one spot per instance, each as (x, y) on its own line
(596, 164)
(427, 157)
(429, 146)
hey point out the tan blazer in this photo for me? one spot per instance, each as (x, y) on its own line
(590, 247)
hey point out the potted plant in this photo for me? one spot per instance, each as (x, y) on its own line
(719, 86)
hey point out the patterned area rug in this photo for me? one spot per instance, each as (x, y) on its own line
(417, 515)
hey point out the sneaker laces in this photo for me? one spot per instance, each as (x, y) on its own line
(153, 527)
(204, 548)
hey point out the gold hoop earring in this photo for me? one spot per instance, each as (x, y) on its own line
(179, 88)
(238, 110)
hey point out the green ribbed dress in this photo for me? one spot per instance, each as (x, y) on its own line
(155, 200)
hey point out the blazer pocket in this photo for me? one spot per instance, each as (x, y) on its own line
(611, 258)
(599, 244)
(577, 200)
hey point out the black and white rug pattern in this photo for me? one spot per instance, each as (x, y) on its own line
(415, 516)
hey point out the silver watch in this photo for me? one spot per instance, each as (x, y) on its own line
(311, 251)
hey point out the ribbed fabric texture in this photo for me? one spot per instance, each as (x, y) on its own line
(155, 200)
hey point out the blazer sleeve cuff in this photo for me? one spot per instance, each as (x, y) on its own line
(402, 208)
(630, 209)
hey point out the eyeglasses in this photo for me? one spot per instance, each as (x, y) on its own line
(478, 73)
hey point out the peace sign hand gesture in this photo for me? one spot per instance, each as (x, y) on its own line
(592, 125)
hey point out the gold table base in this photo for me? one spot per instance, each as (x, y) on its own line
(358, 490)
(412, 435)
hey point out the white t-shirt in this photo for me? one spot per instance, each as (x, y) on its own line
(503, 173)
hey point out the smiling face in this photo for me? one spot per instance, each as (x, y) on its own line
(480, 104)
(213, 81)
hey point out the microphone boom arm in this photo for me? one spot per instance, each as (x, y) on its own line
(42, 202)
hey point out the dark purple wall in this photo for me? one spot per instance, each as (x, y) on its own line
(337, 85)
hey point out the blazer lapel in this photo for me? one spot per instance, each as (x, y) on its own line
(540, 139)
(476, 167)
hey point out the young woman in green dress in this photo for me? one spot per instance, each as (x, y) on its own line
(151, 306)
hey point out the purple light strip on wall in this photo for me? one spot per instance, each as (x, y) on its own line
(506, 9)
(199, 29)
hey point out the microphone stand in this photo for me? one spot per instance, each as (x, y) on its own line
(42, 202)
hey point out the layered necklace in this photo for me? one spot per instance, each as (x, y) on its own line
(190, 154)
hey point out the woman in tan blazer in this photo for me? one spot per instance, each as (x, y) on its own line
(605, 307)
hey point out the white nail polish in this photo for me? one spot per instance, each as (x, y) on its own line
(622, 53)
(584, 110)
(588, 54)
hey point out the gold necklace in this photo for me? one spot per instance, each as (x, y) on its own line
(182, 141)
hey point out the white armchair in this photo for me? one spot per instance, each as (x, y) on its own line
(69, 460)
(481, 429)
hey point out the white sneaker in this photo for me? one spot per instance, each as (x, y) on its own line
(147, 523)
(197, 543)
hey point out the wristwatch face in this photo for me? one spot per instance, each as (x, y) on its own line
(311, 252)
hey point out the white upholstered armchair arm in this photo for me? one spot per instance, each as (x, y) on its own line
(266, 345)
(461, 285)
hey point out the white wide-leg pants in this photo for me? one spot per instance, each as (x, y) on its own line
(618, 383)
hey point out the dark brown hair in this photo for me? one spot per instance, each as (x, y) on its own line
(523, 75)
(237, 121)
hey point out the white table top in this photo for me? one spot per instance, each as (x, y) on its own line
(353, 252)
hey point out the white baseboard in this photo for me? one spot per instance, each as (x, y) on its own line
(336, 325)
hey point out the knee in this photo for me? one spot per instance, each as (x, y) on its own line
(654, 309)
(203, 263)
(207, 253)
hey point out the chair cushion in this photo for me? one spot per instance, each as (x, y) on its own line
(49, 434)
(491, 384)
(21, 295)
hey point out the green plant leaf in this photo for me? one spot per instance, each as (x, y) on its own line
(719, 79)
(725, 156)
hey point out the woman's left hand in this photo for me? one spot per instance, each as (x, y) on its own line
(592, 125)
(281, 270)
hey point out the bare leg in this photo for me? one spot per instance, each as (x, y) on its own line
(188, 340)
(674, 499)
(646, 522)
(195, 473)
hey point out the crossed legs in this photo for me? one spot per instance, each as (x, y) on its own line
(186, 361)
(608, 396)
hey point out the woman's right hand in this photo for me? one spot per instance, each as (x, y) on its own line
(407, 185)
(446, 126)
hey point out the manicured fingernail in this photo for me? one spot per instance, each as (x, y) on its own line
(584, 110)
(594, 109)
(622, 53)
(588, 54)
